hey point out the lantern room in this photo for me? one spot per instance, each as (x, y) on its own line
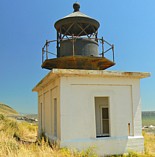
(77, 44)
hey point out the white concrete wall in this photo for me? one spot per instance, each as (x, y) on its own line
(78, 127)
(46, 99)
(107, 145)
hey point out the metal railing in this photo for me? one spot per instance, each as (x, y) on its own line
(46, 52)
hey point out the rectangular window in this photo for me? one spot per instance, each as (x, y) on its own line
(55, 117)
(41, 116)
(102, 116)
(51, 114)
(105, 121)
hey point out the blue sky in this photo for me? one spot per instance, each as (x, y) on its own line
(26, 24)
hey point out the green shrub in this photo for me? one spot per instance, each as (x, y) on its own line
(2, 117)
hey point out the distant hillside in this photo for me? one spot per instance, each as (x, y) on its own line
(148, 118)
(32, 116)
(148, 113)
(5, 109)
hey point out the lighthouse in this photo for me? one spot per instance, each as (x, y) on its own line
(80, 103)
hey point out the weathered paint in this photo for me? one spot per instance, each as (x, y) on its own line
(78, 62)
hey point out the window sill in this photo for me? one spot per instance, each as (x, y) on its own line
(102, 136)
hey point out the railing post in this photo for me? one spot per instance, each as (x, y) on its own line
(102, 47)
(58, 44)
(46, 49)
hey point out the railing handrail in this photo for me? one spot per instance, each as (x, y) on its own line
(102, 41)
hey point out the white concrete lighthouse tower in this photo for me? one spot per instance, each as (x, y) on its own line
(80, 104)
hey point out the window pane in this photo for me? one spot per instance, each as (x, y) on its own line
(105, 125)
(105, 114)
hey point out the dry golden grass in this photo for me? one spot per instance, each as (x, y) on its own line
(5, 109)
(149, 144)
(11, 146)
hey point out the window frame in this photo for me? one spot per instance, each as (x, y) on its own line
(99, 125)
